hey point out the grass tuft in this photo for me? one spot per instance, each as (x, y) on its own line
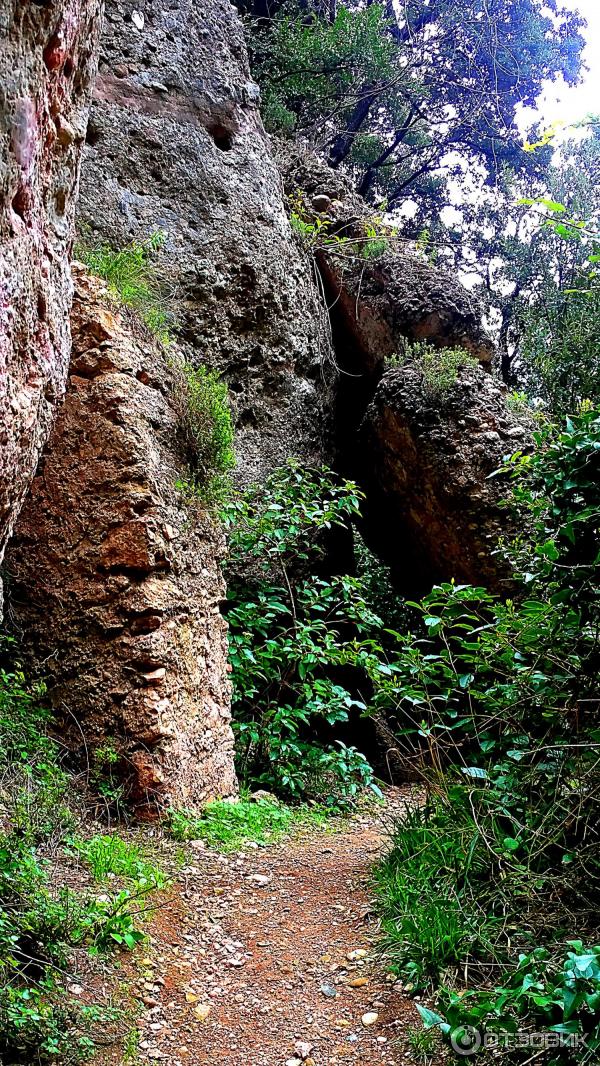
(228, 826)
(131, 276)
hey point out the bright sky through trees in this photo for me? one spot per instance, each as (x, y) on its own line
(561, 103)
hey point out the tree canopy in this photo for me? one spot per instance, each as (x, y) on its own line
(407, 97)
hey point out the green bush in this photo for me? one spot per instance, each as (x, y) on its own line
(500, 705)
(41, 920)
(132, 277)
(207, 428)
(559, 998)
(294, 635)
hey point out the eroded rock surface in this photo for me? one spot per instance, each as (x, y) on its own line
(48, 54)
(176, 143)
(115, 585)
(433, 512)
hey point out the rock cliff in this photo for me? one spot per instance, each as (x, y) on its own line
(115, 585)
(176, 144)
(48, 55)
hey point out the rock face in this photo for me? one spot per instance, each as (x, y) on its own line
(48, 55)
(432, 512)
(176, 143)
(114, 585)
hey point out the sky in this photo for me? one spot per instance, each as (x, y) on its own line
(560, 102)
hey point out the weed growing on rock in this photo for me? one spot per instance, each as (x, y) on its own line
(131, 276)
(206, 425)
(440, 367)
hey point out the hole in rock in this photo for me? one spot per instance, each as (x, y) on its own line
(222, 137)
(19, 202)
(93, 134)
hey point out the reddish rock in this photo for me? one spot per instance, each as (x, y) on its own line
(116, 585)
(47, 65)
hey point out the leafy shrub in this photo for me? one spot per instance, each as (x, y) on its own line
(500, 704)
(559, 998)
(40, 922)
(132, 277)
(207, 428)
(294, 635)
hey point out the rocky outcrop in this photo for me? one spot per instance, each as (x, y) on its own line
(433, 512)
(115, 586)
(48, 54)
(176, 143)
(379, 291)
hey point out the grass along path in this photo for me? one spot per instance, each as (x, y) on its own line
(265, 957)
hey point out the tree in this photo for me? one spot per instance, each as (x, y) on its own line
(397, 100)
(529, 248)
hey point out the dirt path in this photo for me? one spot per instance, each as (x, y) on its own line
(278, 943)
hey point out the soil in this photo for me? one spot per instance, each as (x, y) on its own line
(268, 956)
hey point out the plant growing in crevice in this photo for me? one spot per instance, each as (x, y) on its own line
(202, 401)
(439, 367)
(132, 277)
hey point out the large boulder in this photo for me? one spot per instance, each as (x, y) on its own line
(434, 511)
(115, 585)
(48, 55)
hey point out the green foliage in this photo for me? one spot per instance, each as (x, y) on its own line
(228, 826)
(113, 855)
(294, 636)
(432, 922)
(385, 91)
(105, 776)
(206, 425)
(499, 700)
(556, 997)
(132, 277)
(372, 239)
(306, 66)
(440, 367)
(40, 920)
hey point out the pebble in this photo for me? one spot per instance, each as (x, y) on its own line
(329, 991)
(369, 1018)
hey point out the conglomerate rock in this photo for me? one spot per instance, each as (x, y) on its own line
(48, 55)
(433, 511)
(115, 585)
(176, 144)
